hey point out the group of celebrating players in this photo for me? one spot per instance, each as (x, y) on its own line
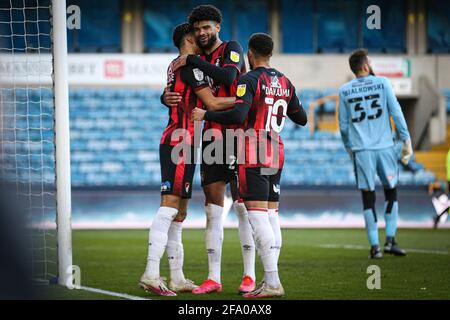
(208, 82)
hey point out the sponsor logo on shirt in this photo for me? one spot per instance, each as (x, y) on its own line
(274, 82)
(198, 74)
(241, 89)
(234, 56)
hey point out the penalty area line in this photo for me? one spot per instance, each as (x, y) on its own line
(358, 247)
(112, 293)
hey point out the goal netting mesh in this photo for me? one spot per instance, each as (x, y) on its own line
(27, 124)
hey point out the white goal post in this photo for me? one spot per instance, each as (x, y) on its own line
(34, 131)
(62, 143)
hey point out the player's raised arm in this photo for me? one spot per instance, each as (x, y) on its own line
(197, 81)
(395, 111)
(234, 58)
(295, 110)
(343, 121)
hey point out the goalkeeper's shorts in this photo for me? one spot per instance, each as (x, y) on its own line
(176, 177)
(370, 163)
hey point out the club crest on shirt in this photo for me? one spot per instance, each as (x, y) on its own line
(187, 186)
(274, 82)
(241, 89)
(198, 74)
(234, 56)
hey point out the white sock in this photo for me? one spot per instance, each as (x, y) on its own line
(265, 242)
(158, 239)
(214, 239)
(246, 238)
(274, 219)
(175, 252)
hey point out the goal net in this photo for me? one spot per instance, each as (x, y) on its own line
(30, 137)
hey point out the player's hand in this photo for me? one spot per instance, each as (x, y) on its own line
(198, 114)
(180, 62)
(407, 152)
(171, 99)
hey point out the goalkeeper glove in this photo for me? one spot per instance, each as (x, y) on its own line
(407, 152)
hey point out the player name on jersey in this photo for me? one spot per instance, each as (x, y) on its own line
(278, 92)
(363, 89)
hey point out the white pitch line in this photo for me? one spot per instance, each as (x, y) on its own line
(112, 293)
(358, 247)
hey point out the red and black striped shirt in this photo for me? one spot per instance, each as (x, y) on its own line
(264, 98)
(185, 81)
(228, 54)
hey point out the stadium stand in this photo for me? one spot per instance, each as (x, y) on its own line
(300, 29)
(337, 31)
(390, 38)
(101, 28)
(438, 26)
(115, 131)
(241, 19)
(115, 138)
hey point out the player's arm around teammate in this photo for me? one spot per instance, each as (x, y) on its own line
(260, 192)
(176, 173)
(226, 74)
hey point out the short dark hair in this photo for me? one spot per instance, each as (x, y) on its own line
(205, 12)
(357, 59)
(261, 44)
(179, 32)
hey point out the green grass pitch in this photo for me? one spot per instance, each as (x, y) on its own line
(115, 259)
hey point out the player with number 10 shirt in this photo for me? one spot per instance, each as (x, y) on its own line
(264, 98)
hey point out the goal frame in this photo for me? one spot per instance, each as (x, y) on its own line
(62, 144)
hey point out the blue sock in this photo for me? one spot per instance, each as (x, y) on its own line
(370, 218)
(391, 216)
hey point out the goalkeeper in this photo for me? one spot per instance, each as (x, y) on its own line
(366, 103)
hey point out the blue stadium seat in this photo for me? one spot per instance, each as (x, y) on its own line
(390, 38)
(438, 26)
(297, 27)
(336, 30)
(161, 16)
(100, 32)
(251, 16)
(115, 137)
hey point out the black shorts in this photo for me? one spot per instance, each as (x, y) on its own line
(253, 186)
(176, 178)
(225, 171)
